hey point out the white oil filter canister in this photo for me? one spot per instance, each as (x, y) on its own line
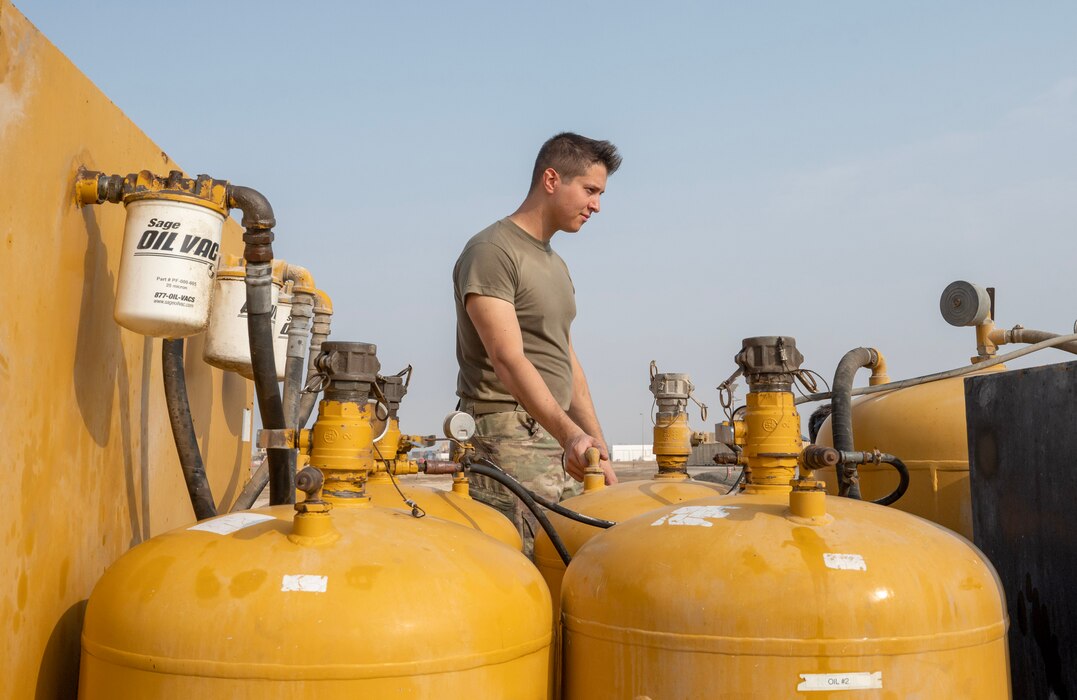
(169, 260)
(227, 340)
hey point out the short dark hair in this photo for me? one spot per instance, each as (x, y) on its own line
(571, 154)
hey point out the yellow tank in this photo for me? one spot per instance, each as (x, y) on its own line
(391, 454)
(670, 483)
(925, 427)
(347, 600)
(452, 506)
(394, 606)
(781, 591)
(616, 503)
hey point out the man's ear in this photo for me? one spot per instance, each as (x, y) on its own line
(550, 180)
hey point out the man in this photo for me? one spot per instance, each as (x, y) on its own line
(519, 375)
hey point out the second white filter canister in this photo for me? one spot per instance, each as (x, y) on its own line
(227, 342)
(169, 259)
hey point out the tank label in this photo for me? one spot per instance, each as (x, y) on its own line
(306, 583)
(848, 562)
(694, 515)
(840, 681)
(231, 523)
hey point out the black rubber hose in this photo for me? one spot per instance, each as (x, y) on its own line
(524, 495)
(264, 366)
(557, 507)
(841, 420)
(816, 420)
(903, 485)
(179, 415)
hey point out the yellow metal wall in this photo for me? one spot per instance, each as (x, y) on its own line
(88, 467)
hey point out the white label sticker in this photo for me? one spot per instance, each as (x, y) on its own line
(694, 515)
(848, 562)
(841, 681)
(231, 523)
(306, 583)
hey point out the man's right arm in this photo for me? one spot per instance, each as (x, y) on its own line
(498, 328)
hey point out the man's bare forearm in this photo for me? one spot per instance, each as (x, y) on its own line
(526, 384)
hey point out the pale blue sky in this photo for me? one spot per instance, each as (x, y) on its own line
(820, 170)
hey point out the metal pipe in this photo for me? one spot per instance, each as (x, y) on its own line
(949, 374)
(885, 458)
(254, 487)
(179, 415)
(258, 222)
(1017, 334)
(841, 420)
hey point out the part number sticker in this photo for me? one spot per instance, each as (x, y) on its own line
(840, 681)
(848, 562)
(231, 523)
(305, 583)
(695, 515)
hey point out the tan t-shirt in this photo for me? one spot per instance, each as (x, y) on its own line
(503, 261)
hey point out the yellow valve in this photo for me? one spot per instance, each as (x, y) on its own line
(341, 445)
(772, 440)
(593, 477)
(672, 442)
(460, 485)
(312, 524)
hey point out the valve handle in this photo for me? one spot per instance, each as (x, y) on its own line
(593, 457)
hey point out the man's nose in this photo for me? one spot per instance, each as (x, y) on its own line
(594, 205)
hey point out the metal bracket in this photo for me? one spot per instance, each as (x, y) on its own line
(278, 439)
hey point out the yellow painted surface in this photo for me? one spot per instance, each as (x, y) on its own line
(619, 502)
(397, 607)
(453, 507)
(90, 467)
(923, 426)
(741, 600)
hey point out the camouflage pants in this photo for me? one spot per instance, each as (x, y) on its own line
(518, 444)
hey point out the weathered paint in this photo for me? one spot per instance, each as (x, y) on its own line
(90, 465)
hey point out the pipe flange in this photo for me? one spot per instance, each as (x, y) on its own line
(350, 369)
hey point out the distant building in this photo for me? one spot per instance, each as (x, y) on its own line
(632, 453)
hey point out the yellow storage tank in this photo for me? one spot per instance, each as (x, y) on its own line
(925, 426)
(670, 483)
(451, 506)
(387, 606)
(362, 601)
(780, 591)
(616, 503)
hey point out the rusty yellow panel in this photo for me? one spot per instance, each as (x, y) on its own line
(89, 467)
